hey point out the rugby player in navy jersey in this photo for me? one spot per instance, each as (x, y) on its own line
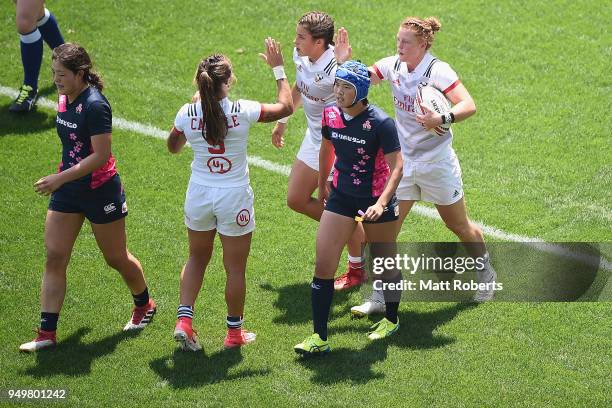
(87, 185)
(367, 170)
(315, 62)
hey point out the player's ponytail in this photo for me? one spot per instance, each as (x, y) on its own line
(433, 24)
(425, 29)
(74, 58)
(212, 74)
(94, 79)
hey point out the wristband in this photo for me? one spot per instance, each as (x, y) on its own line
(283, 120)
(448, 118)
(279, 72)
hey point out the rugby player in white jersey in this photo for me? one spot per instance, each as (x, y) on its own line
(219, 197)
(431, 168)
(313, 89)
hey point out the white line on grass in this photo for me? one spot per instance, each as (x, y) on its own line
(420, 209)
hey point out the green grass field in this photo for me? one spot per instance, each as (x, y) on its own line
(536, 162)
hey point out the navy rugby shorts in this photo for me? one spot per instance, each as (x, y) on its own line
(349, 206)
(102, 205)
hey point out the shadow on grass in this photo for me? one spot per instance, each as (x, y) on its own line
(185, 369)
(48, 91)
(294, 303)
(71, 357)
(417, 331)
(27, 123)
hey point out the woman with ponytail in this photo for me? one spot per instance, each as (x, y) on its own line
(431, 167)
(87, 185)
(219, 198)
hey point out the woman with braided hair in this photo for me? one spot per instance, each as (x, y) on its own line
(431, 168)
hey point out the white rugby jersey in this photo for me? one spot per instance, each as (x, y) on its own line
(417, 143)
(224, 165)
(315, 81)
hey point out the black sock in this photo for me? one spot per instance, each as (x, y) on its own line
(391, 311)
(392, 297)
(322, 291)
(48, 321)
(141, 299)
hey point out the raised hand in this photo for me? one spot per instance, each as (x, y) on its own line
(273, 55)
(342, 49)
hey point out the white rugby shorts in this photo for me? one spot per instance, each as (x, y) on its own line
(435, 182)
(309, 152)
(229, 210)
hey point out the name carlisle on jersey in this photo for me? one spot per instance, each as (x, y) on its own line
(315, 82)
(223, 165)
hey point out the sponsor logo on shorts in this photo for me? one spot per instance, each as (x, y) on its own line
(243, 218)
(219, 164)
(456, 193)
(109, 208)
(396, 211)
(124, 207)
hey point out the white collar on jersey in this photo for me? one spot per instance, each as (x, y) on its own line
(323, 59)
(423, 64)
(225, 103)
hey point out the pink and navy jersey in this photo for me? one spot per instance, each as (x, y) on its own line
(88, 115)
(360, 144)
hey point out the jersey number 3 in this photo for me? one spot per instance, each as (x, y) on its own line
(217, 149)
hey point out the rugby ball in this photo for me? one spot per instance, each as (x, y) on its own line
(434, 100)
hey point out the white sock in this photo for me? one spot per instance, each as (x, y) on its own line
(355, 259)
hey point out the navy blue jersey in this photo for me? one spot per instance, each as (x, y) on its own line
(360, 144)
(88, 115)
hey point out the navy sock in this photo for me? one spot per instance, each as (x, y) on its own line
(48, 321)
(391, 311)
(142, 298)
(234, 322)
(31, 57)
(322, 292)
(50, 30)
(184, 311)
(392, 297)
